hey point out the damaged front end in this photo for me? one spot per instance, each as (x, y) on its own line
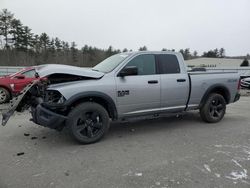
(47, 105)
(51, 112)
(30, 96)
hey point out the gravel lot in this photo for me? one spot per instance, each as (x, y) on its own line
(166, 152)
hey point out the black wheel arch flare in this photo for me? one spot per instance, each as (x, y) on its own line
(217, 88)
(95, 96)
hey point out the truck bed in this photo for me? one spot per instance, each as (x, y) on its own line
(201, 81)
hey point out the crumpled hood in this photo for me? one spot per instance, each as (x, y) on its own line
(64, 84)
(46, 70)
(67, 89)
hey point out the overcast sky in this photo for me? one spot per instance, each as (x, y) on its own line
(196, 24)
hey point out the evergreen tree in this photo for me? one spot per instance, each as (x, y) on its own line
(51, 46)
(17, 33)
(6, 18)
(144, 48)
(27, 37)
(44, 41)
(85, 49)
(125, 50)
(222, 53)
(212, 53)
(195, 53)
(58, 44)
(65, 46)
(185, 53)
(36, 44)
(245, 63)
(73, 51)
(110, 51)
(216, 52)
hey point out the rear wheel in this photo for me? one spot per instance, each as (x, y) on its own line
(4, 95)
(214, 108)
(88, 122)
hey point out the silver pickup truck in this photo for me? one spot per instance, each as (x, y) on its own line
(123, 86)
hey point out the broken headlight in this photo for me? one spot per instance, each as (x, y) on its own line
(53, 96)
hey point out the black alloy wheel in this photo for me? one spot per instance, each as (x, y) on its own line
(214, 108)
(88, 122)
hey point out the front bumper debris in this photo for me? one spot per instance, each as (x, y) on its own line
(14, 103)
(45, 117)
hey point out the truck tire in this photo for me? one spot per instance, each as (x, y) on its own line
(4, 95)
(214, 108)
(88, 122)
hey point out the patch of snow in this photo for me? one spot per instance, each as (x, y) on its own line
(130, 173)
(217, 175)
(158, 183)
(201, 169)
(138, 174)
(238, 164)
(224, 152)
(40, 174)
(238, 175)
(231, 146)
(207, 167)
(218, 146)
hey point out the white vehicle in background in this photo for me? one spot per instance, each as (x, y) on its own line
(245, 83)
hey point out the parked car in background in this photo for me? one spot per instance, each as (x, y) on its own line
(12, 84)
(245, 74)
(245, 83)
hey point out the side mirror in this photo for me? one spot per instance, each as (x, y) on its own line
(128, 71)
(20, 76)
(36, 75)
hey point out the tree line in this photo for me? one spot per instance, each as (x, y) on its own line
(19, 46)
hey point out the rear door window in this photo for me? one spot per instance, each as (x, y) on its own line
(168, 64)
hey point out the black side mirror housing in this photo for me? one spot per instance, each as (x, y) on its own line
(128, 71)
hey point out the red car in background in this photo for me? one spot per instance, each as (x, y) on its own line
(11, 85)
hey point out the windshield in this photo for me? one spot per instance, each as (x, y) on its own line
(110, 63)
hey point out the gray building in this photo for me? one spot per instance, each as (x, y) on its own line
(214, 62)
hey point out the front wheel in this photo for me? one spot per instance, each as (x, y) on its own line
(214, 108)
(88, 122)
